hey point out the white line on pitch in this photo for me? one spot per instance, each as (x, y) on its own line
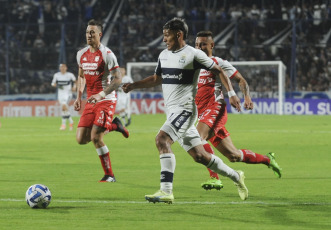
(178, 202)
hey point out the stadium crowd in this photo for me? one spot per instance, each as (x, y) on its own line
(30, 35)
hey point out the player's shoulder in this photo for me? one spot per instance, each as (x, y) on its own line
(105, 50)
(83, 50)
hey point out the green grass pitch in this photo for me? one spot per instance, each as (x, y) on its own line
(34, 150)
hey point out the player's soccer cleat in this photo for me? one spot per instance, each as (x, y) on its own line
(212, 183)
(71, 127)
(120, 127)
(160, 196)
(63, 127)
(273, 165)
(242, 189)
(107, 178)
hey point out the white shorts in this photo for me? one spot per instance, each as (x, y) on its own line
(122, 103)
(180, 127)
(64, 99)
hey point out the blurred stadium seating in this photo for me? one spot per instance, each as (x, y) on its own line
(35, 36)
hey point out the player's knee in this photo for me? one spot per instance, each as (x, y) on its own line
(81, 141)
(161, 143)
(199, 158)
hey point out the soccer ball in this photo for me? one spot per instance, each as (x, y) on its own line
(38, 196)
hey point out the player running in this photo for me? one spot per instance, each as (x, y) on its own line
(123, 106)
(178, 70)
(65, 83)
(96, 62)
(212, 114)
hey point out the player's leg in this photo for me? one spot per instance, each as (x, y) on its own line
(64, 115)
(103, 112)
(217, 165)
(97, 134)
(227, 148)
(128, 110)
(168, 164)
(206, 132)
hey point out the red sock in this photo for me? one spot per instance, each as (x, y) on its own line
(250, 157)
(210, 150)
(112, 127)
(106, 165)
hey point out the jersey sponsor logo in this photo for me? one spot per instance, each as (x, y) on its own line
(89, 66)
(177, 76)
(63, 82)
(205, 80)
(91, 73)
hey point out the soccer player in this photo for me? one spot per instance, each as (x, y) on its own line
(212, 114)
(123, 106)
(65, 83)
(178, 70)
(96, 62)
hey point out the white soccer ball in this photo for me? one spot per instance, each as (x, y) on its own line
(38, 196)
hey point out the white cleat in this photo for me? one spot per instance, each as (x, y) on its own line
(242, 189)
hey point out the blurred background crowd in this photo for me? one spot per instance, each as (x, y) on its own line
(37, 35)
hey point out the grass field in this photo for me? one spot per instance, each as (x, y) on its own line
(33, 150)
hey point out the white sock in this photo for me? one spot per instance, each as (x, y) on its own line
(217, 165)
(70, 120)
(241, 155)
(168, 165)
(103, 150)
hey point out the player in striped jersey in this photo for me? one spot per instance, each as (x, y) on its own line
(96, 63)
(212, 114)
(178, 70)
(65, 83)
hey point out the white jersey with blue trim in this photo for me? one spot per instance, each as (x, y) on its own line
(64, 82)
(180, 71)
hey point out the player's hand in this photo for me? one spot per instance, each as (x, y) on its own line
(77, 104)
(127, 87)
(94, 98)
(235, 102)
(248, 104)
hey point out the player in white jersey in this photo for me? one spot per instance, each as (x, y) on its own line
(178, 70)
(65, 83)
(123, 106)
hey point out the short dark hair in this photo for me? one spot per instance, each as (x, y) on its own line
(205, 33)
(176, 24)
(93, 22)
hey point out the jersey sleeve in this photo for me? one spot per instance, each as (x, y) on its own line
(229, 69)
(54, 80)
(202, 61)
(158, 70)
(111, 60)
(73, 78)
(78, 56)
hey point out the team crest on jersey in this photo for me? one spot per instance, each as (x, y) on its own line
(97, 58)
(84, 59)
(182, 59)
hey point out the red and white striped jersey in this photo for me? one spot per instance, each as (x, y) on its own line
(96, 67)
(209, 85)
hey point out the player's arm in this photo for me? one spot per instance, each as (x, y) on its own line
(53, 82)
(80, 89)
(114, 84)
(243, 85)
(234, 100)
(148, 82)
